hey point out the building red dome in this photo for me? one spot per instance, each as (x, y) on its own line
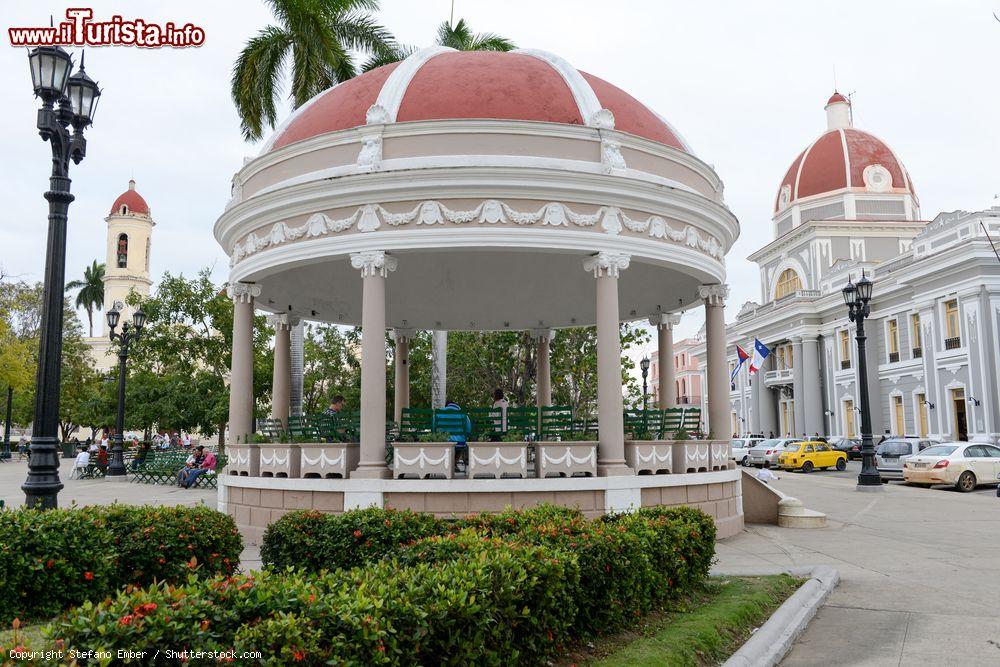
(839, 159)
(132, 200)
(440, 84)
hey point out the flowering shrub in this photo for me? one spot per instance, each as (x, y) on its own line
(315, 541)
(498, 604)
(59, 558)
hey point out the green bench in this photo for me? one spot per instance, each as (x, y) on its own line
(640, 422)
(162, 466)
(523, 419)
(416, 422)
(556, 423)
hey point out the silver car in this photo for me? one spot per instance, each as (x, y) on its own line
(891, 454)
(766, 453)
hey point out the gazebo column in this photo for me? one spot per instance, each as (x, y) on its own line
(543, 393)
(402, 364)
(715, 349)
(665, 323)
(375, 266)
(611, 428)
(241, 370)
(281, 387)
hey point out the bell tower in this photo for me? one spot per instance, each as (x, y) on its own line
(130, 232)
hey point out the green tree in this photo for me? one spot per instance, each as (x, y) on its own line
(179, 367)
(91, 294)
(458, 36)
(332, 365)
(79, 381)
(317, 36)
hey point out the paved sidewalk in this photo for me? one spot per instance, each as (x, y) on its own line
(919, 572)
(100, 491)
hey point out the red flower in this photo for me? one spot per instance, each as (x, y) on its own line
(49, 563)
(312, 598)
(381, 647)
(204, 625)
(357, 533)
(88, 575)
(125, 620)
(298, 656)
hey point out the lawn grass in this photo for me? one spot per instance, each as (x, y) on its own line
(703, 628)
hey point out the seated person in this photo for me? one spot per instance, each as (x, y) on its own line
(192, 463)
(206, 463)
(140, 455)
(102, 458)
(81, 463)
(459, 433)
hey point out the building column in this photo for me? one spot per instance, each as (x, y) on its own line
(543, 392)
(798, 387)
(812, 399)
(715, 351)
(241, 370)
(439, 369)
(281, 388)
(768, 409)
(297, 338)
(375, 265)
(402, 364)
(611, 427)
(665, 323)
(756, 389)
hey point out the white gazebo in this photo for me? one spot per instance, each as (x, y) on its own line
(474, 191)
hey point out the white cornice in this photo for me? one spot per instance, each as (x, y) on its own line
(833, 228)
(513, 183)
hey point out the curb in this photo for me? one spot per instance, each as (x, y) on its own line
(772, 641)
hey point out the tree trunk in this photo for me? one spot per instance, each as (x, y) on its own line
(90, 320)
(222, 439)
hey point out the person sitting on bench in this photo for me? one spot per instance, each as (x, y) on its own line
(205, 463)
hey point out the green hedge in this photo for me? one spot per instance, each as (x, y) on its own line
(51, 560)
(629, 563)
(459, 600)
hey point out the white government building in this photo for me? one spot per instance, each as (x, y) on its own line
(847, 205)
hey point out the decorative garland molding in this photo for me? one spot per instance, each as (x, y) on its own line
(371, 217)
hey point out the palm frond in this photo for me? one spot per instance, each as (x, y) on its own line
(257, 80)
(360, 32)
(488, 41)
(393, 54)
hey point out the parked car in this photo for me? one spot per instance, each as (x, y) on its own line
(811, 454)
(740, 449)
(850, 446)
(767, 451)
(891, 454)
(964, 464)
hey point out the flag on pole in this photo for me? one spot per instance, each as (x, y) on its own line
(742, 356)
(760, 353)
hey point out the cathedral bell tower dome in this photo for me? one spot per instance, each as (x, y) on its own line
(130, 230)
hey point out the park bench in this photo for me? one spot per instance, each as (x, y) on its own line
(415, 422)
(556, 423)
(162, 466)
(692, 421)
(487, 423)
(523, 419)
(642, 422)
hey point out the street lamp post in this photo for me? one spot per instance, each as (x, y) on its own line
(856, 297)
(128, 334)
(5, 454)
(644, 366)
(76, 97)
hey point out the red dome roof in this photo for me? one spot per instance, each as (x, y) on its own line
(837, 161)
(437, 83)
(132, 199)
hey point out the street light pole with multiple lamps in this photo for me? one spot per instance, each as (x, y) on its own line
(67, 101)
(857, 298)
(125, 338)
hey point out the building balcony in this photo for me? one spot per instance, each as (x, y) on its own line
(918, 352)
(778, 378)
(893, 357)
(683, 400)
(953, 343)
(845, 364)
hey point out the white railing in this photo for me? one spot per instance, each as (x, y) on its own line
(783, 376)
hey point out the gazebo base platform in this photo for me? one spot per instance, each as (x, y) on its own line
(254, 502)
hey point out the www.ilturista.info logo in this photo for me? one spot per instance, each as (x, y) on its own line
(81, 30)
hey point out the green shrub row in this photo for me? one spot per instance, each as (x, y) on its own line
(629, 563)
(455, 600)
(55, 559)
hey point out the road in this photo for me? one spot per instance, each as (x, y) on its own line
(918, 570)
(854, 467)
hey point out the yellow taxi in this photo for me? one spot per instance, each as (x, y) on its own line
(810, 455)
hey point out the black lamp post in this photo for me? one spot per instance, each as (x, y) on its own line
(5, 454)
(128, 334)
(856, 297)
(66, 101)
(644, 366)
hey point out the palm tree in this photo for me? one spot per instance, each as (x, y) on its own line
(91, 294)
(316, 36)
(458, 36)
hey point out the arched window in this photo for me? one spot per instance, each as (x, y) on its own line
(788, 283)
(124, 209)
(122, 251)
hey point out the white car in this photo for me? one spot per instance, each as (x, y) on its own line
(963, 464)
(740, 449)
(766, 452)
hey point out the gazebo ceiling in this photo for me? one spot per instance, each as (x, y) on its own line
(472, 289)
